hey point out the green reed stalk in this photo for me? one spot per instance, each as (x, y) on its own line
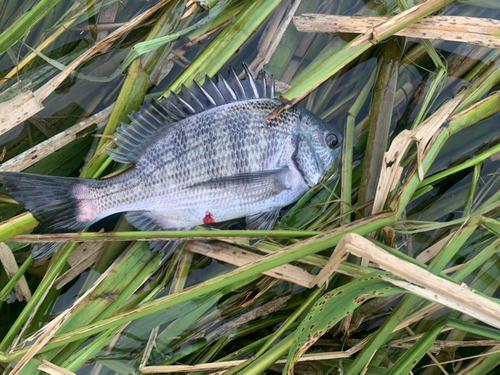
(149, 235)
(215, 55)
(25, 23)
(79, 358)
(408, 302)
(279, 332)
(17, 225)
(476, 160)
(349, 144)
(438, 78)
(137, 80)
(352, 50)
(45, 284)
(108, 296)
(270, 357)
(281, 58)
(4, 293)
(380, 120)
(479, 88)
(407, 361)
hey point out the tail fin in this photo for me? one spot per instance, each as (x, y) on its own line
(50, 200)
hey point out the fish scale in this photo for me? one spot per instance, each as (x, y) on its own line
(202, 156)
(168, 174)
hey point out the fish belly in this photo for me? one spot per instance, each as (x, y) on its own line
(190, 207)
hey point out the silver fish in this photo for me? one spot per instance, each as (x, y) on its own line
(202, 156)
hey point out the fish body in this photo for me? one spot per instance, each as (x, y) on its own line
(201, 157)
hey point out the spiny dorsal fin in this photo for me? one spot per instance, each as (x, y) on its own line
(159, 115)
(133, 138)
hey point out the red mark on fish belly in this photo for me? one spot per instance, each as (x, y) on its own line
(209, 218)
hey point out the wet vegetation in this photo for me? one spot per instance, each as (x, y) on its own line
(390, 266)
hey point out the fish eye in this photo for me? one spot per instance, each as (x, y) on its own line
(331, 140)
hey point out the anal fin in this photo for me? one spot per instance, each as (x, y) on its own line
(147, 221)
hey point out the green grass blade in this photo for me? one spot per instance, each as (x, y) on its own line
(25, 23)
(380, 120)
(12, 282)
(411, 357)
(331, 308)
(52, 273)
(214, 56)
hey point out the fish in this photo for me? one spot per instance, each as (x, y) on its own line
(201, 156)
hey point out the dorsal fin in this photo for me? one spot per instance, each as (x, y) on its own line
(159, 115)
(146, 122)
(236, 85)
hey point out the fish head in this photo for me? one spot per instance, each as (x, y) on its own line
(319, 146)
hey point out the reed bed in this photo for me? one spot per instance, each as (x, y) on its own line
(390, 267)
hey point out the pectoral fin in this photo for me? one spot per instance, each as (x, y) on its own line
(271, 182)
